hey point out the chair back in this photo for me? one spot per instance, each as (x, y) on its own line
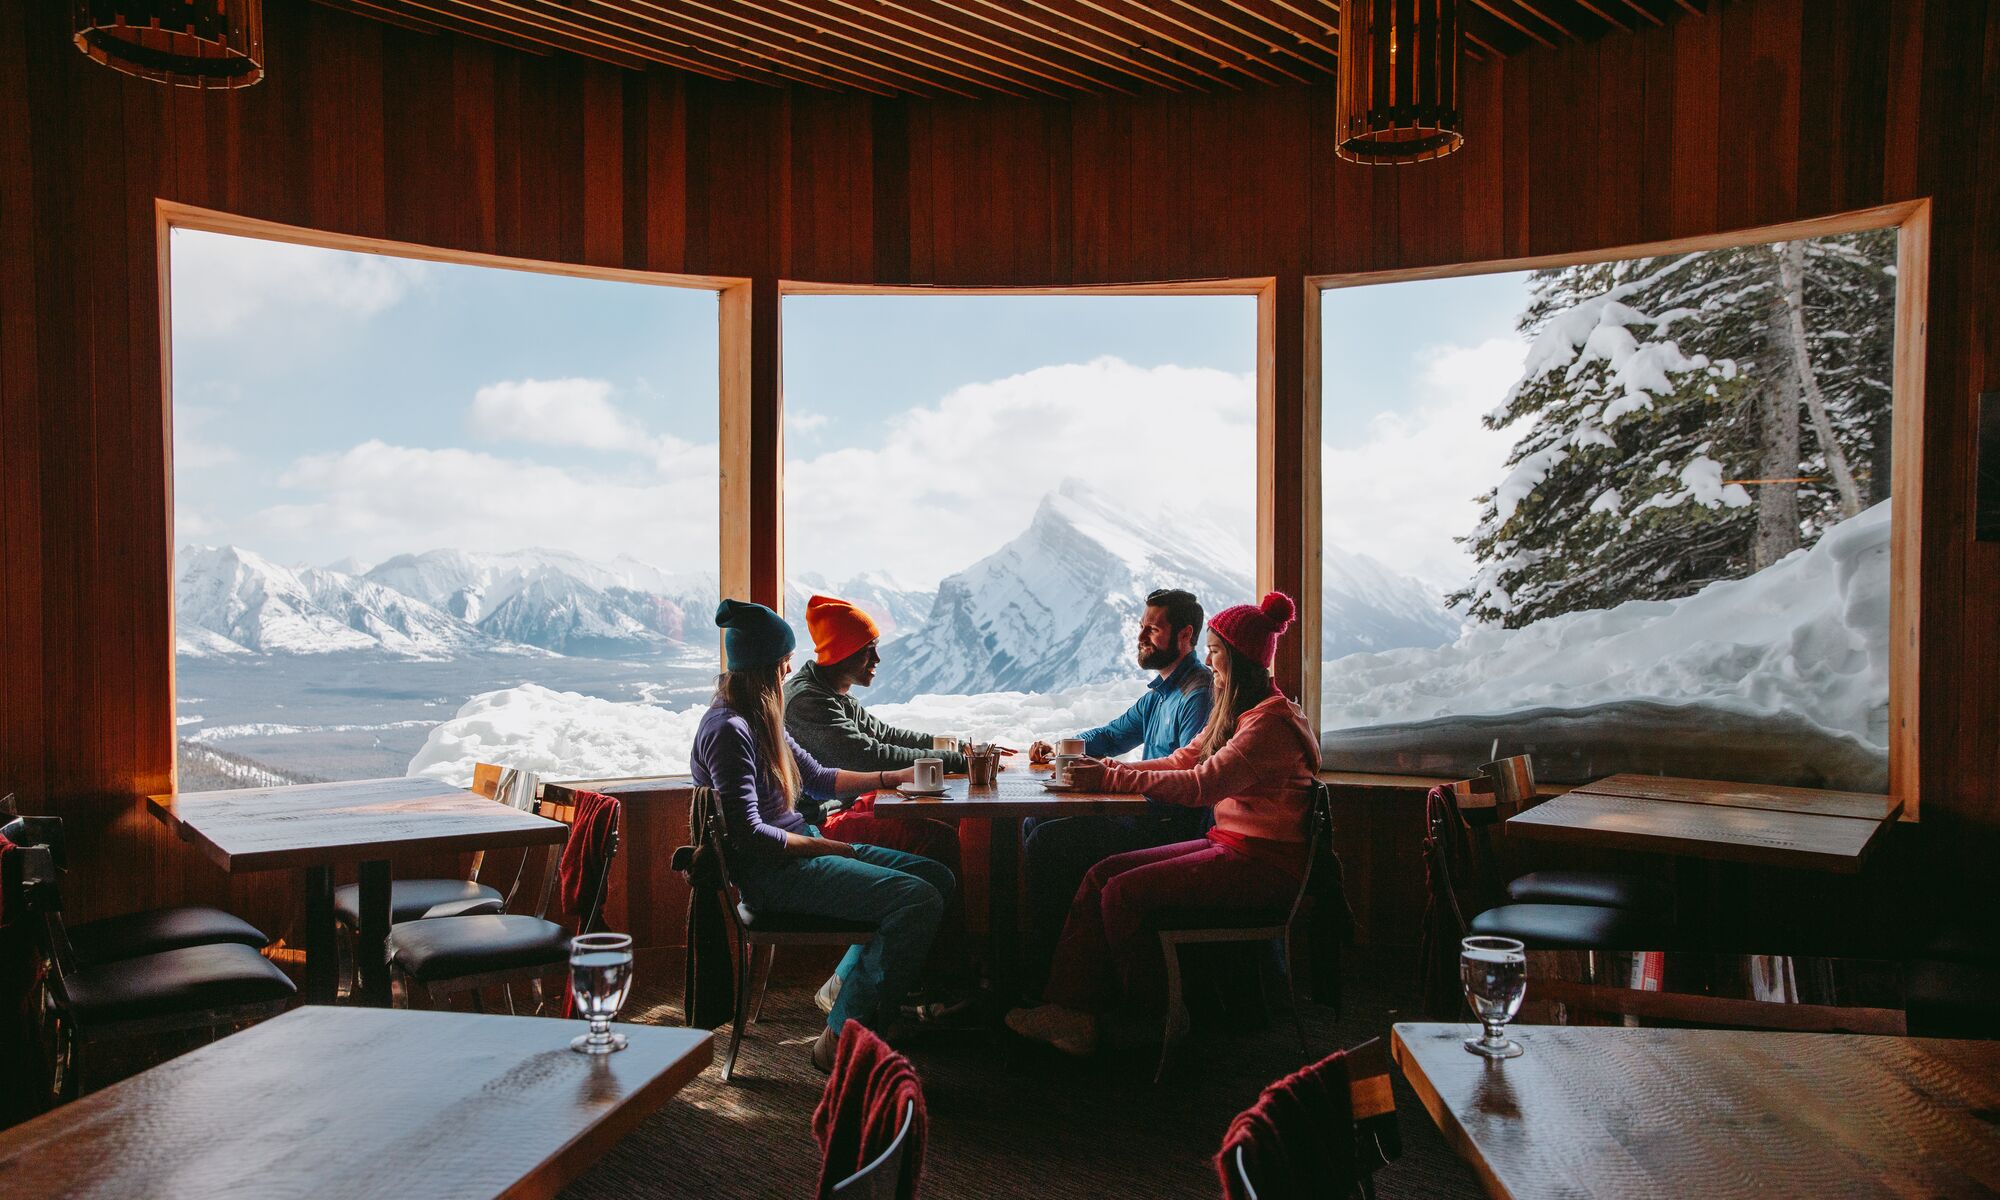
(882, 1179)
(1513, 783)
(1364, 1074)
(715, 832)
(35, 885)
(1451, 875)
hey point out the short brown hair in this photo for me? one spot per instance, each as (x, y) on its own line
(1183, 610)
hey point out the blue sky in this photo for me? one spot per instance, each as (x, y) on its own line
(331, 405)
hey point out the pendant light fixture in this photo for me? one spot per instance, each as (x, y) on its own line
(1397, 99)
(187, 43)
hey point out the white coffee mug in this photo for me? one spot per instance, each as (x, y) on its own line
(929, 775)
(944, 742)
(1069, 747)
(1059, 767)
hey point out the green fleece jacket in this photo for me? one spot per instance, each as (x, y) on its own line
(838, 732)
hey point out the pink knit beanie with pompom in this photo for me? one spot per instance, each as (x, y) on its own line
(1254, 629)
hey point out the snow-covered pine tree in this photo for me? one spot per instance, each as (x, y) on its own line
(1658, 394)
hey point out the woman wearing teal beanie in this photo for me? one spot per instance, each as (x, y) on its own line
(779, 862)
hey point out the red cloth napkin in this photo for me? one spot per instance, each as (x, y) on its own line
(1296, 1139)
(586, 856)
(862, 1108)
(863, 805)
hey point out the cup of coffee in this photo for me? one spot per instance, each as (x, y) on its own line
(1071, 747)
(943, 741)
(1059, 767)
(929, 775)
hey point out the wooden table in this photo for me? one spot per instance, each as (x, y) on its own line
(1016, 795)
(358, 1102)
(317, 825)
(1721, 822)
(1673, 1113)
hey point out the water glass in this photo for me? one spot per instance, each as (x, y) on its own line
(600, 974)
(1495, 973)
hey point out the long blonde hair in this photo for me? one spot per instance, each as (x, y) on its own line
(755, 695)
(1247, 684)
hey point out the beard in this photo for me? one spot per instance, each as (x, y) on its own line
(1152, 658)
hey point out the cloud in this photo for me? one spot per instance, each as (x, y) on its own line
(950, 482)
(223, 284)
(193, 450)
(556, 412)
(375, 500)
(1401, 487)
(804, 422)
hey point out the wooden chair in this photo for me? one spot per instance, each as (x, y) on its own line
(201, 987)
(766, 931)
(1462, 890)
(882, 1179)
(1514, 791)
(1189, 926)
(438, 956)
(132, 935)
(1372, 1107)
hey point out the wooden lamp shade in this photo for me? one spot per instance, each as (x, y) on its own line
(1398, 89)
(187, 43)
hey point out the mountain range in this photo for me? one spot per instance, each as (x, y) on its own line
(1054, 607)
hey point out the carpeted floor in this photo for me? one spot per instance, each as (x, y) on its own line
(1009, 1118)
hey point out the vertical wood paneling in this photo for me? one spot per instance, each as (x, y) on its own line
(1764, 111)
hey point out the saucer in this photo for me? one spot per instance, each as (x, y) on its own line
(911, 789)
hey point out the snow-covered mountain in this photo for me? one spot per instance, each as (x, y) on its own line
(1059, 605)
(229, 600)
(898, 610)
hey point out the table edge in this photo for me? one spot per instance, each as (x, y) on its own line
(1660, 843)
(569, 1161)
(1447, 1121)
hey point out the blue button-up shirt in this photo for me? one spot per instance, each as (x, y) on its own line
(1170, 715)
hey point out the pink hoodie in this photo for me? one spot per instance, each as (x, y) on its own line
(1259, 783)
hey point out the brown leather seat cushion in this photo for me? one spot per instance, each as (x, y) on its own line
(1605, 889)
(151, 932)
(172, 982)
(410, 899)
(454, 947)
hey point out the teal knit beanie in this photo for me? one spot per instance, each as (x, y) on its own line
(754, 636)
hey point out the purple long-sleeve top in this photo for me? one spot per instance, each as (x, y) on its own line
(725, 759)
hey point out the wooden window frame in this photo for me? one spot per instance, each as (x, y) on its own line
(733, 376)
(1912, 221)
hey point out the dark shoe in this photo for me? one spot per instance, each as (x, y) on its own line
(823, 1050)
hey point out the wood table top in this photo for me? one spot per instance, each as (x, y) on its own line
(1867, 806)
(1016, 792)
(316, 824)
(1672, 1113)
(1759, 836)
(358, 1102)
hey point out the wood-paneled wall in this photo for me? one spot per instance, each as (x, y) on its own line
(1763, 112)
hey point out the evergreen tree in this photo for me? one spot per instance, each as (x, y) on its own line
(1675, 429)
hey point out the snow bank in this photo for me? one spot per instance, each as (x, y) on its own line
(1808, 636)
(567, 734)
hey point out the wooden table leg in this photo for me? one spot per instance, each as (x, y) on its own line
(1003, 903)
(370, 953)
(322, 959)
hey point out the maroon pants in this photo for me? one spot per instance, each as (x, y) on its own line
(950, 962)
(1106, 956)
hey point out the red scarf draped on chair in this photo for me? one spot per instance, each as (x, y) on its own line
(1295, 1139)
(862, 1108)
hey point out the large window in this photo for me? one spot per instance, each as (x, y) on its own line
(429, 514)
(1000, 481)
(1639, 510)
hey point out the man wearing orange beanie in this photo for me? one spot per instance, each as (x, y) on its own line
(823, 718)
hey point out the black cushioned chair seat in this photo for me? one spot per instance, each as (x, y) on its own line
(1605, 889)
(782, 922)
(188, 980)
(134, 934)
(1216, 918)
(1570, 927)
(476, 945)
(410, 899)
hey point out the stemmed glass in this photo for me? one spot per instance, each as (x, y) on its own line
(1495, 973)
(600, 973)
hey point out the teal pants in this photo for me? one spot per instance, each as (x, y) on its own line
(903, 894)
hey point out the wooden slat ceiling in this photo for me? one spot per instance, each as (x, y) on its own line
(987, 47)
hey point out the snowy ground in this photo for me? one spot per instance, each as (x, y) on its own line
(1808, 636)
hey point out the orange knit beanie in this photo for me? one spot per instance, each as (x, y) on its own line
(838, 628)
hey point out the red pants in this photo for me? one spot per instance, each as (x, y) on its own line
(950, 963)
(1105, 954)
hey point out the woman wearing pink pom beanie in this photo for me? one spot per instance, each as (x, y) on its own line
(1254, 765)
